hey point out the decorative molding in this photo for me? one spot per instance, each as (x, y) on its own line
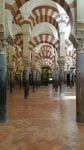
(26, 61)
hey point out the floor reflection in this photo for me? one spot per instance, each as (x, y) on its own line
(42, 122)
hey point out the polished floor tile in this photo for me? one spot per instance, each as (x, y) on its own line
(41, 122)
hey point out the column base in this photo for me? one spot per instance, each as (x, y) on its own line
(61, 95)
(26, 89)
(3, 114)
(3, 120)
(80, 119)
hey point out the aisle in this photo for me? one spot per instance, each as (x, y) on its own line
(42, 122)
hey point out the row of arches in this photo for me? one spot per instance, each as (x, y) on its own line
(45, 21)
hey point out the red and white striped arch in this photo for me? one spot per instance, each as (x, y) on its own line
(45, 59)
(17, 59)
(19, 40)
(38, 15)
(45, 52)
(43, 14)
(19, 19)
(39, 56)
(46, 56)
(19, 3)
(43, 38)
(46, 62)
(17, 54)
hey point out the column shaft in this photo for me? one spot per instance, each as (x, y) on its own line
(26, 57)
(3, 86)
(3, 70)
(80, 87)
(61, 79)
(62, 57)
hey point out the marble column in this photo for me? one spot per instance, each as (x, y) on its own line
(26, 58)
(80, 85)
(34, 70)
(34, 79)
(56, 71)
(3, 68)
(71, 78)
(62, 63)
(53, 78)
(3, 73)
(21, 79)
(38, 78)
(56, 78)
(26, 78)
(11, 74)
(11, 68)
(61, 77)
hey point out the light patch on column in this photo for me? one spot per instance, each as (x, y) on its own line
(44, 38)
(49, 12)
(43, 11)
(54, 14)
(49, 38)
(37, 12)
(38, 39)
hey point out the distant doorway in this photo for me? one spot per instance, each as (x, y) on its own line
(46, 77)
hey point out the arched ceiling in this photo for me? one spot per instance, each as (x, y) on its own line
(43, 13)
(46, 52)
(43, 38)
(44, 28)
(46, 55)
(45, 18)
(19, 40)
(40, 14)
(47, 38)
(19, 3)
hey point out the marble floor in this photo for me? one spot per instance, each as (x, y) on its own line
(41, 122)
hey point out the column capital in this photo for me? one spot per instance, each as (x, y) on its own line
(26, 29)
(26, 61)
(81, 47)
(33, 66)
(62, 32)
(10, 68)
(62, 60)
(56, 67)
(2, 44)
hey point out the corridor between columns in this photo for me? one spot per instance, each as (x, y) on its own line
(42, 121)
